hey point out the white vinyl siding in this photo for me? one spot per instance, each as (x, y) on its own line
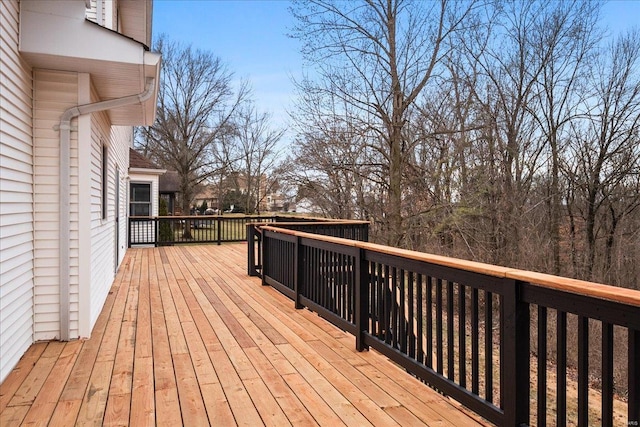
(104, 12)
(92, 250)
(54, 92)
(103, 230)
(16, 195)
(97, 257)
(31, 105)
(122, 139)
(91, 13)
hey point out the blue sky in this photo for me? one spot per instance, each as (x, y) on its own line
(251, 37)
(248, 35)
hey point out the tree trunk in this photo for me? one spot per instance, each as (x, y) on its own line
(554, 226)
(187, 195)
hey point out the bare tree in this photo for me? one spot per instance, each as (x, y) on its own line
(489, 130)
(511, 58)
(603, 162)
(378, 56)
(257, 154)
(329, 174)
(566, 47)
(196, 104)
(334, 165)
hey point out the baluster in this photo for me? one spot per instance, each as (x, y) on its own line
(439, 340)
(583, 370)
(542, 366)
(450, 333)
(462, 332)
(561, 374)
(488, 346)
(607, 374)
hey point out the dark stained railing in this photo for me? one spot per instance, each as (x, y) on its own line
(347, 229)
(463, 327)
(173, 230)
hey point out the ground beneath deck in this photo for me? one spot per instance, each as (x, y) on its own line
(187, 338)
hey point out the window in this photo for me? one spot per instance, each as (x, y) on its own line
(104, 181)
(140, 204)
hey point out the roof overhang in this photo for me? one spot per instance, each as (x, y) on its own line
(55, 35)
(147, 171)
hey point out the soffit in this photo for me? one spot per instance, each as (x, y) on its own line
(119, 66)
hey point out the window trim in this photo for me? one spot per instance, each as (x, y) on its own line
(133, 202)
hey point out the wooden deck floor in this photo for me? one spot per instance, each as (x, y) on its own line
(187, 338)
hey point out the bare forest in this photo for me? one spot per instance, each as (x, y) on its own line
(502, 132)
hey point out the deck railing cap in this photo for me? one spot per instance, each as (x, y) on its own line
(580, 287)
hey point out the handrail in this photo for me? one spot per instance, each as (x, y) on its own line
(307, 221)
(581, 287)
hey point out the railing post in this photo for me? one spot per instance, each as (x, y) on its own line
(219, 225)
(251, 247)
(156, 231)
(633, 418)
(129, 233)
(514, 356)
(361, 299)
(298, 260)
(265, 257)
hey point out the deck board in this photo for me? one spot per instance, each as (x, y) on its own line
(187, 338)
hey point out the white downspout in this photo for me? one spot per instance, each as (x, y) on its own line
(65, 189)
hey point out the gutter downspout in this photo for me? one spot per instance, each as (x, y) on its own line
(65, 189)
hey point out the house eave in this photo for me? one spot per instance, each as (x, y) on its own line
(56, 36)
(147, 171)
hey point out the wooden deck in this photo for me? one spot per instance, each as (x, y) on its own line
(187, 338)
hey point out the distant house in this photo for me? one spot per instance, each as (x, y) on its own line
(276, 202)
(75, 76)
(208, 194)
(306, 206)
(264, 192)
(148, 183)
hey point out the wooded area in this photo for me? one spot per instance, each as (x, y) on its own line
(506, 133)
(502, 132)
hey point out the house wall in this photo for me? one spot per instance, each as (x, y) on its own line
(16, 195)
(31, 105)
(93, 253)
(123, 134)
(103, 236)
(54, 92)
(147, 228)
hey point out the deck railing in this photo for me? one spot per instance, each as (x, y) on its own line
(170, 230)
(347, 229)
(465, 328)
